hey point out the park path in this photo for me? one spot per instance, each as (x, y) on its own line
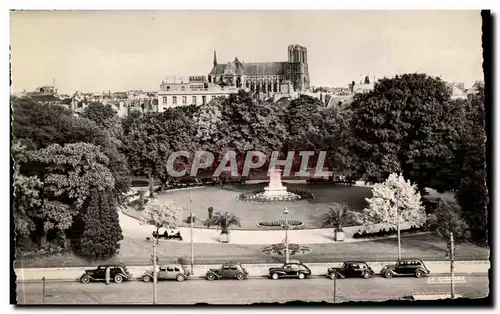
(132, 228)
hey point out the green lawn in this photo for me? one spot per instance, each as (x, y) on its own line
(137, 252)
(307, 211)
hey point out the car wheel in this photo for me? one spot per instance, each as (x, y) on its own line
(388, 274)
(118, 279)
(302, 276)
(418, 273)
(240, 276)
(146, 278)
(332, 276)
(180, 277)
(85, 279)
(210, 276)
(275, 276)
(366, 275)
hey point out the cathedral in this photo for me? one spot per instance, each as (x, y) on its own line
(265, 77)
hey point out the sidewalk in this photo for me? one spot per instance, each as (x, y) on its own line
(254, 270)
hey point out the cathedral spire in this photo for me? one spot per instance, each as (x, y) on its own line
(215, 58)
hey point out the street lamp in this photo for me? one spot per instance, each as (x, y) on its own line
(154, 258)
(191, 222)
(285, 213)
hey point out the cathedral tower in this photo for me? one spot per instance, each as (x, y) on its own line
(297, 70)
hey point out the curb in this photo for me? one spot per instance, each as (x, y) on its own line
(198, 277)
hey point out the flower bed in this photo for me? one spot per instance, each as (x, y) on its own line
(279, 223)
(388, 232)
(304, 195)
(259, 197)
(279, 249)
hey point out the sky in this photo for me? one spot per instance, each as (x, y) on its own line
(95, 51)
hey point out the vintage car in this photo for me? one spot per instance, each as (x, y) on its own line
(405, 267)
(167, 272)
(290, 270)
(351, 269)
(227, 271)
(118, 273)
(168, 234)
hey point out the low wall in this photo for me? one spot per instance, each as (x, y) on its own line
(256, 270)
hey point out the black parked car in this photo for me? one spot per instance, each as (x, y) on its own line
(227, 271)
(353, 269)
(118, 273)
(290, 270)
(406, 267)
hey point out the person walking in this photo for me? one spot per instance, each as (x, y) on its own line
(108, 275)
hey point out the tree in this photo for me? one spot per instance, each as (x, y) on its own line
(162, 214)
(335, 139)
(27, 190)
(338, 215)
(69, 173)
(224, 221)
(129, 120)
(38, 126)
(152, 138)
(239, 123)
(447, 220)
(99, 113)
(394, 202)
(472, 192)
(304, 120)
(406, 124)
(102, 232)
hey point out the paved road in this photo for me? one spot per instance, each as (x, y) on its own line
(242, 292)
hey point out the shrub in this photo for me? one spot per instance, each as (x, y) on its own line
(280, 223)
(390, 232)
(188, 219)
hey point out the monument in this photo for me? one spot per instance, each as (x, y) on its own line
(273, 192)
(275, 189)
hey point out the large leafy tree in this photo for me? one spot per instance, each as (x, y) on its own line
(404, 125)
(310, 128)
(152, 138)
(27, 199)
(472, 192)
(336, 136)
(68, 174)
(304, 122)
(38, 126)
(101, 114)
(250, 125)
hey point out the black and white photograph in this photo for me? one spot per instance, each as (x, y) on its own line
(244, 157)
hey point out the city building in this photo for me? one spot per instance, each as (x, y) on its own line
(194, 90)
(266, 77)
(118, 101)
(46, 94)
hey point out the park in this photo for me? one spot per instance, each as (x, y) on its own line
(79, 168)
